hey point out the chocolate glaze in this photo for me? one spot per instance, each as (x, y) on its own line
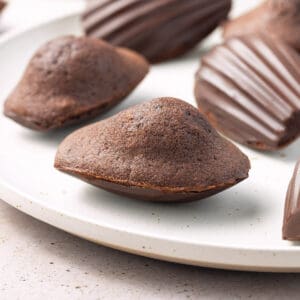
(249, 88)
(278, 18)
(70, 79)
(159, 29)
(161, 150)
(291, 220)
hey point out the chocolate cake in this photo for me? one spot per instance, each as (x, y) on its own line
(249, 90)
(158, 29)
(2, 5)
(161, 150)
(73, 78)
(277, 18)
(291, 221)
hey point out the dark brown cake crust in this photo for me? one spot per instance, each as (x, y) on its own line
(277, 18)
(162, 150)
(158, 29)
(70, 79)
(249, 90)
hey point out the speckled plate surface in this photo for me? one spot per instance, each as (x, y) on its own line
(237, 229)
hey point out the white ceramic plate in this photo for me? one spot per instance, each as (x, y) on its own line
(237, 229)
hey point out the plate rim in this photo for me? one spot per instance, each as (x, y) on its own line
(15, 33)
(13, 197)
(23, 203)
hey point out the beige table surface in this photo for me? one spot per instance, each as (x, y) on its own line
(41, 262)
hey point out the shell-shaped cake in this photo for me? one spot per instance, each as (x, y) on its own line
(279, 18)
(161, 150)
(158, 29)
(2, 5)
(249, 88)
(291, 219)
(70, 79)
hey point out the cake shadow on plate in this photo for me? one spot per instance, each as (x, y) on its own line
(241, 210)
(290, 153)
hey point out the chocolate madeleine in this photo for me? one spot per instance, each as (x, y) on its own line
(249, 89)
(277, 18)
(161, 150)
(291, 221)
(2, 5)
(158, 29)
(73, 78)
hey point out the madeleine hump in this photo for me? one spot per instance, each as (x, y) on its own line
(70, 79)
(161, 150)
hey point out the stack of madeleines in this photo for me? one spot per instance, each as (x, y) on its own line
(248, 88)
